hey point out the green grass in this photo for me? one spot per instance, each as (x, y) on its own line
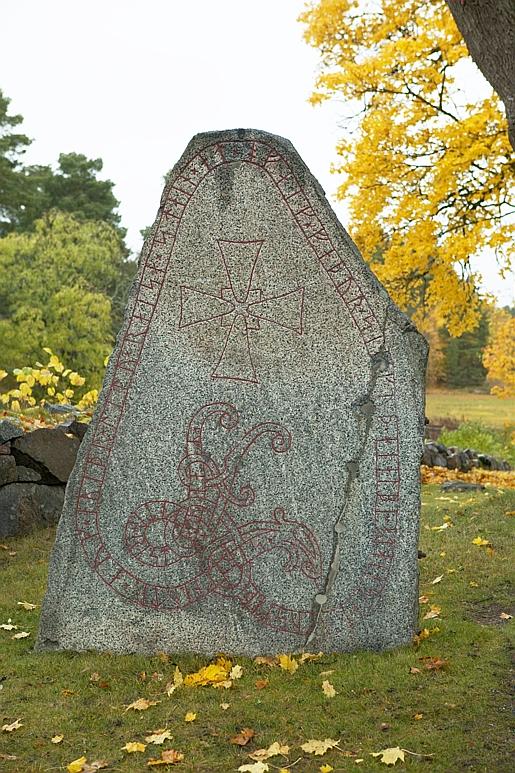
(467, 406)
(464, 706)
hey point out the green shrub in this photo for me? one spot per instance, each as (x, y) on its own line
(485, 440)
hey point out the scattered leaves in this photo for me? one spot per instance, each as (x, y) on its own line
(390, 756)
(168, 757)
(319, 747)
(134, 746)
(142, 704)
(159, 736)
(273, 751)
(243, 737)
(14, 726)
(215, 673)
(328, 689)
(287, 663)
(433, 612)
(236, 672)
(77, 766)
(177, 682)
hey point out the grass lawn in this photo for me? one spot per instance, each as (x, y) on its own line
(455, 716)
(470, 406)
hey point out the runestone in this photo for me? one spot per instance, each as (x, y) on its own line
(250, 479)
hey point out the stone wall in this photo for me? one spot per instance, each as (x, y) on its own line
(34, 470)
(437, 455)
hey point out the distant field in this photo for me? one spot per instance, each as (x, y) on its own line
(468, 406)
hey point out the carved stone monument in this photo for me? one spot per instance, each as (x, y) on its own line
(250, 479)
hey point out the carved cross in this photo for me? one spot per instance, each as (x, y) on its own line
(241, 308)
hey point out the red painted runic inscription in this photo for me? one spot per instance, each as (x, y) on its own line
(241, 308)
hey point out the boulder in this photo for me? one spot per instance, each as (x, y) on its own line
(7, 469)
(48, 451)
(9, 431)
(26, 506)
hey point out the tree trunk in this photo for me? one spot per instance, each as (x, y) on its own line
(488, 28)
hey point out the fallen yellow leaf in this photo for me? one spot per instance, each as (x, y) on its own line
(287, 663)
(236, 672)
(273, 750)
(168, 757)
(433, 612)
(177, 682)
(190, 716)
(308, 657)
(328, 689)
(326, 768)
(134, 746)
(390, 756)
(26, 605)
(243, 737)
(21, 635)
(224, 706)
(57, 738)
(480, 541)
(14, 726)
(434, 582)
(142, 704)
(417, 716)
(214, 673)
(158, 737)
(257, 767)
(505, 616)
(9, 625)
(76, 766)
(319, 747)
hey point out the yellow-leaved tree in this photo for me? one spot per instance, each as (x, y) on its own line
(425, 175)
(499, 355)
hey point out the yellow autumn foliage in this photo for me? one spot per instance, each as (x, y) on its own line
(426, 177)
(499, 355)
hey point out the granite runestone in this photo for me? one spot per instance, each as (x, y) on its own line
(250, 480)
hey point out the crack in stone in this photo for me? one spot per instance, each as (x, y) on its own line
(366, 408)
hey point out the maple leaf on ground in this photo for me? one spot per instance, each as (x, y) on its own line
(9, 625)
(94, 766)
(433, 612)
(26, 605)
(224, 706)
(328, 689)
(142, 704)
(14, 726)
(326, 768)
(134, 746)
(433, 663)
(309, 657)
(273, 751)
(190, 716)
(176, 683)
(287, 663)
(168, 757)
(265, 660)
(319, 747)
(480, 542)
(256, 767)
(21, 635)
(159, 736)
(423, 599)
(213, 674)
(243, 737)
(236, 672)
(57, 738)
(390, 756)
(77, 766)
